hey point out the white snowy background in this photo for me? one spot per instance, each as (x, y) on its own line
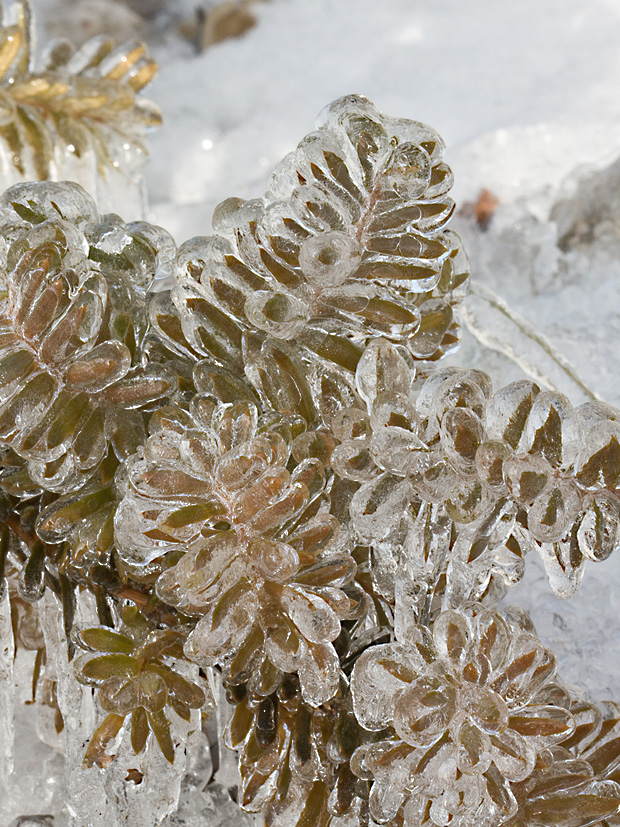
(526, 96)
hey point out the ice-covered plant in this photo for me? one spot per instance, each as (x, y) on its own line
(129, 667)
(263, 480)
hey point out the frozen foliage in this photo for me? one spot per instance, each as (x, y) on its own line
(294, 759)
(348, 244)
(257, 568)
(73, 382)
(134, 679)
(472, 702)
(261, 481)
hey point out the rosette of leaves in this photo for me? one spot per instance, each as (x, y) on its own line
(473, 701)
(244, 542)
(577, 782)
(133, 668)
(294, 760)
(74, 382)
(79, 102)
(526, 470)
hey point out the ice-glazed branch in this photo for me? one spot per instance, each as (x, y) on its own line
(497, 326)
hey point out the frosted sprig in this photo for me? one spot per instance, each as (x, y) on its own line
(350, 235)
(133, 670)
(348, 244)
(576, 782)
(514, 470)
(472, 701)
(242, 542)
(78, 102)
(73, 378)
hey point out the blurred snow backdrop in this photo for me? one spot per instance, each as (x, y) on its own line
(526, 97)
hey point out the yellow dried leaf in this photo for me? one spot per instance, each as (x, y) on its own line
(9, 49)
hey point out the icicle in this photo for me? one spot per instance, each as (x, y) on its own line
(7, 687)
(145, 787)
(228, 772)
(84, 796)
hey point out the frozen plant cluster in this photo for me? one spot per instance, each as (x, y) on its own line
(258, 498)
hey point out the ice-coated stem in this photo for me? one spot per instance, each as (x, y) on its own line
(497, 326)
(228, 772)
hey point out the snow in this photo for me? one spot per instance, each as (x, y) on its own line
(522, 93)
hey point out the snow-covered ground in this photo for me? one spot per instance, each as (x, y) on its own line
(526, 97)
(523, 93)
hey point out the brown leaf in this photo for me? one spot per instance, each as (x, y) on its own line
(228, 20)
(134, 775)
(107, 730)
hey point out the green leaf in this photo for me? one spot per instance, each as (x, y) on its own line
(161, 730)
(181, 709)
(102, 639)
(314, 813)
(94, 671)
(29, 213)
(58, 519)
(139, 729)
(183, 690)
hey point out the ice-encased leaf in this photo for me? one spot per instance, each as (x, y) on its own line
(599, 530)
(382, 369)
(319, 674)
(379, 676)
(377, 506)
